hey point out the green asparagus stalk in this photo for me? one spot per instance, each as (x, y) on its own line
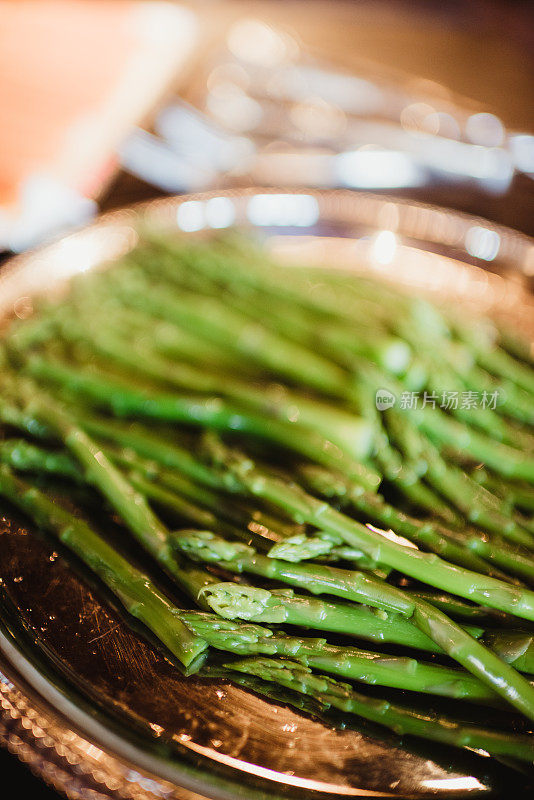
(21, 455)
(127, 502)
(318, 579)
(479, 507)
(513, 496)
(429, 535)
(399, 719)
(467, 612)
(124, 400)
(514, 403)
(425, 567)
(237, 557)
(135, 590)
(172, 456)
(302, 547)
(236, 601)
(502, 459)
(467, 549)
(516, 347)
(14, 417)
(456, 364)
(347, 431)
(177, 505)
(270, 690)
(350, 663)
(235, 510)
(499, 362)
(188, 501)
(255, 604)
(219, 324)
(443, 476)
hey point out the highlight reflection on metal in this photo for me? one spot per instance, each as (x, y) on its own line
(283, 210)
(90, 705)
(273, 114)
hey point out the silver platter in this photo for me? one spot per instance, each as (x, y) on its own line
(92, 707)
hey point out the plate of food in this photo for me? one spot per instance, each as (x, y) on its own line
(266, 495)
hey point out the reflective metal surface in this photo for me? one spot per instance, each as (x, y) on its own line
(266, 109)
(89, 702)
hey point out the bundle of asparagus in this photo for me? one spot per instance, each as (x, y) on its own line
(224, 407)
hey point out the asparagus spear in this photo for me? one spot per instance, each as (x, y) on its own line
(269, 690)
(465, 548)
(504, 460)
(467, 612)
(479, 507)
(400, 719)
(235, 510)
(498, 361)
(177, 505)
(302, 547)
(457, 369)
(488, 421)
(123, 399)
(13, 416)
(21, 455)
(236, 601)
(320, 580)
(425, 567)
(514, 403)
(516, 347)
(135, 590)
(347, 431)
(133, 437)
(351, 663)
(429, 535)
(129, 504)
(222, 325)
(316, 578)
(516, 497)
